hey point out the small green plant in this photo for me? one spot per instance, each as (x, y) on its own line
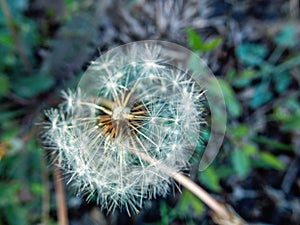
(267, 74)
(200, 46)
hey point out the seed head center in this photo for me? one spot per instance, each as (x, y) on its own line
(120, 113)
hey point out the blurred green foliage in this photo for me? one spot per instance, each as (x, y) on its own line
(261, 91)
(21, 84)
(265, 78)
(187, 209)
(198, 45)
(20, 186)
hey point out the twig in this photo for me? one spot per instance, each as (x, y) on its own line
(290, 176)
(222, 214)
(15, 36)
(202, 194)
(46, 196)
(60, 198)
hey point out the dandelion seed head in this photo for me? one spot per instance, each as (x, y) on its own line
(130, 105)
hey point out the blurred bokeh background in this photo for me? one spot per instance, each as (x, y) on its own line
(252, 46)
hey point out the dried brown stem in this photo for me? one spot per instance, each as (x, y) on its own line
(223, 215)
(46, 195)
(201, 194)
(60, 198)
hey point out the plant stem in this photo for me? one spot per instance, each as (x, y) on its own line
(15, 36)
(46, 196)
(60, 198)
(201, 194)
(221, 215)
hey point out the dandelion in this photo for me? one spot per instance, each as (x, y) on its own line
(134, 120)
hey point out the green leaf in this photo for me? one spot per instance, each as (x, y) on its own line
(287, 38)
(282, 81)
(267, 69)
(272, 143)
(6, 40)
(251, 54)
(250, 149)
(286, 112)
(30, 35)
(9, 193)
(288, 64)
(4, 85)
(232, 104)
(189, 202)
(6, 115)
(292, 123)
(197, 44)
(11, 132)
(194, 40)
(240, 131)
(28, 87)
(241, 162)
(37, 188)
(271, 161)
(224, 172)
(20, 5)
(166, 215)
(262, 95)
(231, 75)
(244, 78)
(15, 7)
(211, 45)
(209, 177)
(15, 214)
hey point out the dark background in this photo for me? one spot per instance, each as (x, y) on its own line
(251, 46)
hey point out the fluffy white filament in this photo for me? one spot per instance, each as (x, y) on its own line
(146, 107)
